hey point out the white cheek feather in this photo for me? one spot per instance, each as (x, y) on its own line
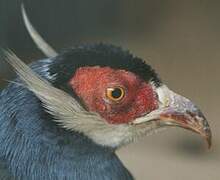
(163, 94)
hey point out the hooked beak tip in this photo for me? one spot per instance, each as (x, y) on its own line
(209, 141)
(188, 118)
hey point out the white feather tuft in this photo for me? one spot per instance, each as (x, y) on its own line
(39, 41)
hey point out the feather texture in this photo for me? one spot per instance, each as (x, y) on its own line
(34, 146)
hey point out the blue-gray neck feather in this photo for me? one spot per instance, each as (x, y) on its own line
(34, 147)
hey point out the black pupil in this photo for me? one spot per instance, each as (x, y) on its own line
(116, 93)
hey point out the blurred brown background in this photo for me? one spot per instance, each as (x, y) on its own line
(180, 39)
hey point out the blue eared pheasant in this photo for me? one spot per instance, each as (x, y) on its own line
(65, 116)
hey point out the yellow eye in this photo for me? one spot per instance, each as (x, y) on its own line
(115, 94)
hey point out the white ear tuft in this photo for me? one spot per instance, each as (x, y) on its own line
(39, 41)
(61, 105)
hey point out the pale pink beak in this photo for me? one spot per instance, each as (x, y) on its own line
(178, 111)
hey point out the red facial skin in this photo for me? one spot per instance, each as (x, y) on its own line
(91, 83)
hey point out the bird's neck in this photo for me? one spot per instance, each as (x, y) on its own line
(35, 147)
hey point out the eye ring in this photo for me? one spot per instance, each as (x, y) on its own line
(115, 93)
